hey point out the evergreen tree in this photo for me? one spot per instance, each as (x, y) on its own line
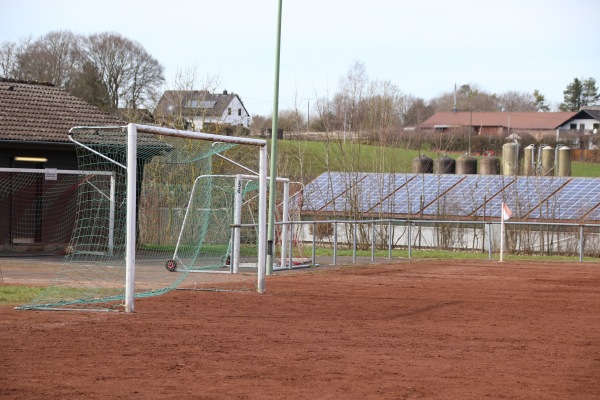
(590, 95)
(573, 96)
(540, 101)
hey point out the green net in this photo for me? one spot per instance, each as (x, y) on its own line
(185, 206)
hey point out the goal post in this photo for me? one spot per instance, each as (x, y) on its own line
(127, 232)
(131, 217)
(237, 217)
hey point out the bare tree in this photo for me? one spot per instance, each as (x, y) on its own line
(518, 101)
(468, 97)
(129, 73)
(54, 57)
(9, 58)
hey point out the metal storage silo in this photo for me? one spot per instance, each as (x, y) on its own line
(564, 161)
(529, 160)
(547, 161)
(422, 165)
(444, 165)
(466, 165)
(489, 166)
(510, 159)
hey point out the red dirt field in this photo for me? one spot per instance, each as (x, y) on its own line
(420, 329)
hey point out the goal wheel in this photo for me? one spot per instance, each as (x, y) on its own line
(171, 265)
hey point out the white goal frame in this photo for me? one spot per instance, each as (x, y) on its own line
(53, 172)
(131, 217)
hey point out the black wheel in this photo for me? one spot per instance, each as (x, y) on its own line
(171, 265)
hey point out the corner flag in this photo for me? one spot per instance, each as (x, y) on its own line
(506, 213)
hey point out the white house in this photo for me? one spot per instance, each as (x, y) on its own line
(583, 128)
(198, 109)
(585, 121)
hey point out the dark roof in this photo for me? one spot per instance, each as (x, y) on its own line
(194, 102)
(585, 114)
(516, 120)
(39, 112)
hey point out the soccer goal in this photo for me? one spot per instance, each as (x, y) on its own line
(38, 208)
(171, 204)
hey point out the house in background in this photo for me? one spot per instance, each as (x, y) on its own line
(201, 110)
(501, 124)
(582, 129)
(35, 119)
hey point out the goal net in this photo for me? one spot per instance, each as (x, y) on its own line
(164, 209)
(38, 208)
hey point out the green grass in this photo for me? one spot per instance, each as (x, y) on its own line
(313, 158)
(18, 295)
(449, 255)
(585, 169)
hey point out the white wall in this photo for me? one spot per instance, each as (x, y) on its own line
(588, 123)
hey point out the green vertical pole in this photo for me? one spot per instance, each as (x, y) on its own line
(273, 169)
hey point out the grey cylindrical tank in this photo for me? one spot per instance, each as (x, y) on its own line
(422, 165)
(510, 159)
(444, 165)
(529, 160)
(564, 161)
(547, 161)
(466, 165)
(489, 166)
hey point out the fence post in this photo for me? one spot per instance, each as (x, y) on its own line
(489, 225)
(354, 242)
(291, 249)
(314, 244)
(409, 239)
(390, 239)
(335, 239)
(581, 243)
(372, 240)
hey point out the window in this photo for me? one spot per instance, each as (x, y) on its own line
(239, 112)
(573, 127)
(229, 111)
(581, 127)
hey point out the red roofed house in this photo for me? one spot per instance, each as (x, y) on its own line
(537, 124)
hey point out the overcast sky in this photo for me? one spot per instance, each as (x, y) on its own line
(422, 46)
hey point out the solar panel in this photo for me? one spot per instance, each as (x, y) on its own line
(418, 192)
(557, 198)
(325, 193)
(525, 194)
(470, 195)
(574, 201)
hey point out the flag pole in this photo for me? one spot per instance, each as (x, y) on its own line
(273, 167)
(501, 232)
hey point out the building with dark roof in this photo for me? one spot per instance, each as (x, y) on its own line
(35, 119)
(37, 192)
(197, 109)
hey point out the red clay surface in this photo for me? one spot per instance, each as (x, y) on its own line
(424, 329)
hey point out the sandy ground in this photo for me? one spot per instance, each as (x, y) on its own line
(419, 329)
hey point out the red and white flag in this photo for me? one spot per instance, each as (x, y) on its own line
(506, 213)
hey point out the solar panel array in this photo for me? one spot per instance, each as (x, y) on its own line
(447, 195)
